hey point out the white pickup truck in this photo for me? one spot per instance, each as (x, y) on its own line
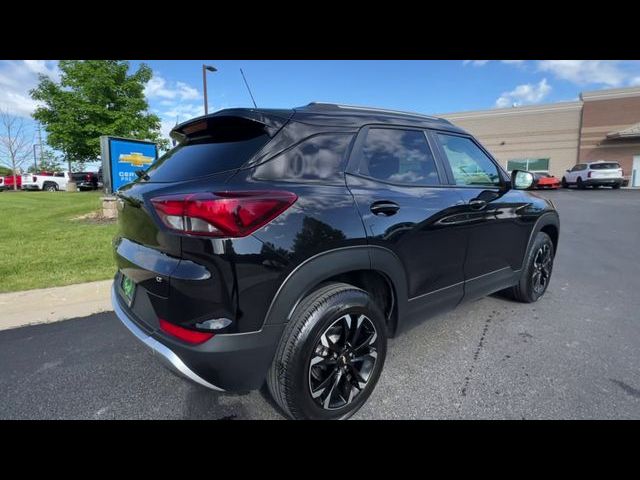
(50, 183)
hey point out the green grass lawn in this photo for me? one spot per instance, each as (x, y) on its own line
(41, 245)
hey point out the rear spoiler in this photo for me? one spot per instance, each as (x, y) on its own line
(271, 120)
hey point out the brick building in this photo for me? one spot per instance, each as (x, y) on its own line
(601, 125)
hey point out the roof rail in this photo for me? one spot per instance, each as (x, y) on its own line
(371, 109)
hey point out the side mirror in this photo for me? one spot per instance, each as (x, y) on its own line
(521, 179)
(568, 171)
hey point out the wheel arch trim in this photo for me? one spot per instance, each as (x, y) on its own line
(314, 270)
(546, 219)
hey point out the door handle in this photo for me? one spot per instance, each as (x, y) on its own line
(384, 207)
(477, 204)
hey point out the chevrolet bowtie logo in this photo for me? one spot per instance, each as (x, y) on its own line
(135, 158)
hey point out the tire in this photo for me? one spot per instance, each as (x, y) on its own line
(580, 183)
(527, 290)
(50, 187)
(564, 183)
(305, 358)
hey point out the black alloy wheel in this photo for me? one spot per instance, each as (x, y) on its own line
(536, 272)
(542, 266)
(343, 361)
(330, 355)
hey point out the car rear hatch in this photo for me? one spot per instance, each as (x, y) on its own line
(605, 170)
(151, 254)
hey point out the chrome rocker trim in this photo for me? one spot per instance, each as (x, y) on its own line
(167, 356)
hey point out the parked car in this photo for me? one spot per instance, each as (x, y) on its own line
(545, 181)
(6, 183)
(594, 174)
(50, 183)
(87, 180)
(288, 245)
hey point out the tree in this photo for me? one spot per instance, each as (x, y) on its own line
(48, 162)
(15, 146)
(94, 98)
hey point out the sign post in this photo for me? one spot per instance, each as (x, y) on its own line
(121, 157)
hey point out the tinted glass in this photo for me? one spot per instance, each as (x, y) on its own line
(321, 157)
(206, 156)
(604, 166)
(398, 156)
(538, 164)
(517, 165)
(469, 164)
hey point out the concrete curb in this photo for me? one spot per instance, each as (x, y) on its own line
(48, 305)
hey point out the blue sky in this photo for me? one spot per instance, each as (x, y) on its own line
(175, 92)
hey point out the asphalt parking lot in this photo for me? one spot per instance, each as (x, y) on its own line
(575, 354)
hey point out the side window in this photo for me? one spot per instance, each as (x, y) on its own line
(398, 156)
(320, 157)
(469, 164)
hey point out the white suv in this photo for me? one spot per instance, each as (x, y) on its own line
(594, 174)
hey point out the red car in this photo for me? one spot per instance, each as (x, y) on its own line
(544, 181)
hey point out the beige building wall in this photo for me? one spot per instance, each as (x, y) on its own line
(607, 111)
(539, 131)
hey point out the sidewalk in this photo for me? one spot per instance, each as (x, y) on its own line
(52, 304)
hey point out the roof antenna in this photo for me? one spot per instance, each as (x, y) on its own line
(245, 82)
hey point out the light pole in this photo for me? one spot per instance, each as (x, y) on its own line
(204, 84)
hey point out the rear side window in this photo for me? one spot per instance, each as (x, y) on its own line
(398, 156)
(227, 148)
(605, 166)
(320, 157)
(469, 164)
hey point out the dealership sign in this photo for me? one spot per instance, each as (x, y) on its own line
(121, 157)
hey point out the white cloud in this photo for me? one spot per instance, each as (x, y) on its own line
(174, 102)
(475, 63)
(158, 87)
(585, 72)
(482, 63)
(524, 94)
(17, 77)
(635, 82)
(44, 67)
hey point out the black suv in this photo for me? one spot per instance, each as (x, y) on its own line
(288, 245)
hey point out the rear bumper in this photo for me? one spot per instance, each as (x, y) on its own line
(603, 181)
(168, 357)
(226, 362)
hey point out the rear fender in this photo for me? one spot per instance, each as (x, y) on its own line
(306, 276)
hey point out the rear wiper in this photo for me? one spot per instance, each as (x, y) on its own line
(141, 174)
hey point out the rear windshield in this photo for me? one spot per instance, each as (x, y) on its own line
(604, 166)
(215, 153)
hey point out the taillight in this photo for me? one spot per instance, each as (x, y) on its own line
(222, 214)
(184, 334)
